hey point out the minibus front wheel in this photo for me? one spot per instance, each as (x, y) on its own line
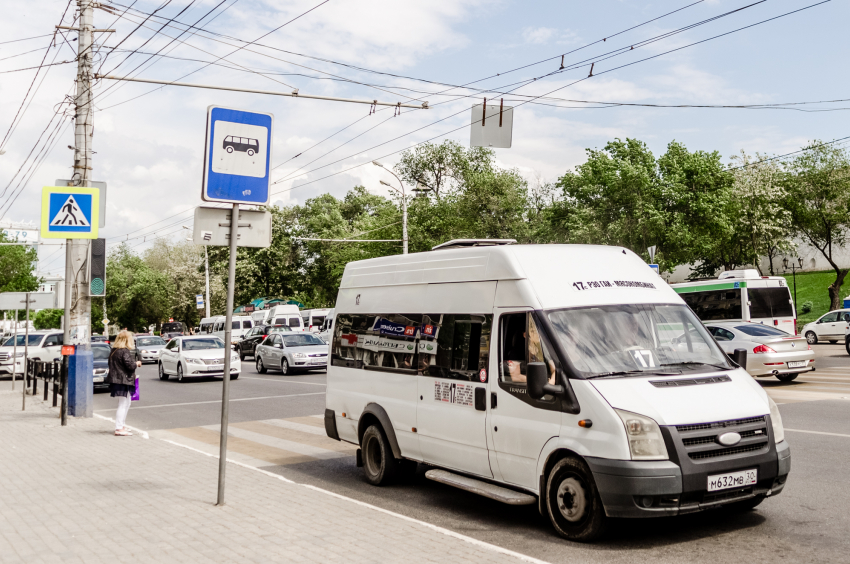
(575, 508)
(379, 464)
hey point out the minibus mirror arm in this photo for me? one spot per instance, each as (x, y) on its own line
(538, 382)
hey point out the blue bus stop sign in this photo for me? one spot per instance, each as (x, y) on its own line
(237, 156)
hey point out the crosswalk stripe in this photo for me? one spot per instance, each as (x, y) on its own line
(252, 453)
(307, 451)
(288, 424)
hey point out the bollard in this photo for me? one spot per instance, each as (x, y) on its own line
(55, 382)
(46, 373)
(63, 379)
(34, 379)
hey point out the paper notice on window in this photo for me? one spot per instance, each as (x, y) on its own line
(454, 392)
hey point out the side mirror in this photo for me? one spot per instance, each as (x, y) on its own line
(538, 381)
(739, 357)
(278, 346)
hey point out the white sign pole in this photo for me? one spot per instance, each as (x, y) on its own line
(26, 355)
(15, 351)
(228, 332)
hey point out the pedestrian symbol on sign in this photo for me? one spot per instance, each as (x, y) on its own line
(70, 214)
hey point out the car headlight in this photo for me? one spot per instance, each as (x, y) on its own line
(299, 355)
(194, 361)
(776, 421)
(19, 354)
(234, 357)
(644, 436)
(144, 351)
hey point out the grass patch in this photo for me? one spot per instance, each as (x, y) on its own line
(812, 286)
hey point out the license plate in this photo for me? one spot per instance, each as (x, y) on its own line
(798, 364)
(97, 379)
(732, 480)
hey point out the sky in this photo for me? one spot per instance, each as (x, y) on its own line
(149, 140)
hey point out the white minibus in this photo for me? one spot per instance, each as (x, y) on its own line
(241, 325)
(742, 295)
(206, 325)
(288, 315)
(567, 376)
(314, 318)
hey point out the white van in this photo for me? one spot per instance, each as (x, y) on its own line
(206, 325)
(326, 330)
(314, 318)
(288, 315)
(567, 376)
(241, 324)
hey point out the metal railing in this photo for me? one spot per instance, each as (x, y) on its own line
(49, 372)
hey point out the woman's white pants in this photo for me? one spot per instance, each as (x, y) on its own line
(121, 415)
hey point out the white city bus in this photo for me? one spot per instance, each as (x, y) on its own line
(742, 295)
(570, 377)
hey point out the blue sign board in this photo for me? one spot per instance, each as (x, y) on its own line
(69, 212)
(237, 156)
(655, 268)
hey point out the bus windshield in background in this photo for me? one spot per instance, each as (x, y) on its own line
(770, 302)
(715, 305)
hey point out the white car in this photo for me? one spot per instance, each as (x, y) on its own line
(830, 327)
(43, 345)
(195, 356)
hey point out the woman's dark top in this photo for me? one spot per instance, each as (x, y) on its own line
(122, 373)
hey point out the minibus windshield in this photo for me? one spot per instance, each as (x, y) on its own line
(625, 340)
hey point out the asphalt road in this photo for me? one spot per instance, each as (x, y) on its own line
(808, 522)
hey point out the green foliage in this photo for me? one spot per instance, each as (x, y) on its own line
(811, 288)
(48, 319)
(136, 294)
(817, 197)
(806, 307)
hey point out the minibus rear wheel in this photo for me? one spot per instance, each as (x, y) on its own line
(575, 508)
(379, 464)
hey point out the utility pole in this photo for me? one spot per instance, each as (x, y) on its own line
(77, 300)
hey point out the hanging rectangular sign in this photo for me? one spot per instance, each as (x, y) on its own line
(69, 213)
(237, 156)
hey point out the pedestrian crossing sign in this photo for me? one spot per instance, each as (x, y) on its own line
(66, 212)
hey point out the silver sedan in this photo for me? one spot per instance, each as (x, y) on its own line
(770, 351)
(291, 352)
(148, 348)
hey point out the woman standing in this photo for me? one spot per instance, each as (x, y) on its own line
(122, 378)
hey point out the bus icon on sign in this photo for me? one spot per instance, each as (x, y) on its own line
(242, 144)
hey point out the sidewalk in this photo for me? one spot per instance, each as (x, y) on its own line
(79, 494)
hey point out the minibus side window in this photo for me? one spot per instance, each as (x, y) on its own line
(521, 344)
(715, 305)
(461, 349)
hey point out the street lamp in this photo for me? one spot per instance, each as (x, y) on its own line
(794, 268)
(206, 272)
(403, 204)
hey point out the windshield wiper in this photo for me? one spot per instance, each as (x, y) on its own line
(624, 373)
(693, 362)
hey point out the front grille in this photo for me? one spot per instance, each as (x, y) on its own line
(713, 438)
(719, 424)
(213, 360)
(4, 356)
(319, 354)
(727, 451)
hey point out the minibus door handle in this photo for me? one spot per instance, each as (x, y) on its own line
(481, 399)
(493, 400)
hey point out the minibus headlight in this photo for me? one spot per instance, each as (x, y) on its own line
(776, 421)
(644, 436)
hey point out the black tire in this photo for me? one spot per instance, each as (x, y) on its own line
(847, 345)
(250, 152)
(746, 505)
(811, 338)
(284, 367)
(787, 377)
(379, 464)
(573, 502)
(229, 149)
(180, 377)
(241, 355)
(261, 368)
(234, 376)
(162, 375)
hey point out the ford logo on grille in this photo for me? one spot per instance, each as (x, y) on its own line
(729, 439)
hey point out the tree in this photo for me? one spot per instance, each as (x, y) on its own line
(443, 167)
(761, 219)
(817, 197)
(48, 319)
(136, 294)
